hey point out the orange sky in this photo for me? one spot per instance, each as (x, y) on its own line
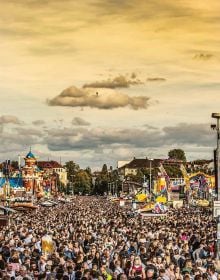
(155, 63)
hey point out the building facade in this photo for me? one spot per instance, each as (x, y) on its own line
(53, 169)
(32, 176)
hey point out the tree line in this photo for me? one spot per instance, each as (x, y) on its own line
(85, 182)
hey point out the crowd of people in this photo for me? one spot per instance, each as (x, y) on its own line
(95, 239)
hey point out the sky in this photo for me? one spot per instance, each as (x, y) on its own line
(97, 81)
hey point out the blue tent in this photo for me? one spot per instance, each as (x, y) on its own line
(15, 182)
(2, 181)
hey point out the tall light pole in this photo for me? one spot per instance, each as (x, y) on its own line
(33, 185)
(19, 162)
(6, 172)
(217, 156)
(72, 188)
(150, 184)
(122, 185)
(217, 176)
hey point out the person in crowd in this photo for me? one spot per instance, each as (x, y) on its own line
(95, 239)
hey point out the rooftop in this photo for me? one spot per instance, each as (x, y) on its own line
(48, 164)
(30, 155)
(143, 163)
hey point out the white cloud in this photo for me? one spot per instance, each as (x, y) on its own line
(105, 99)
(190, 135)
(117, 82)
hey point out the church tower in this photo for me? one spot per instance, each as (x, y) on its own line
(29, 172)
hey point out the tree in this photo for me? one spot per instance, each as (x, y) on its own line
(173, 171)
(88, 170)
(82, 182)
(72, 168)
(177, 154)
(104, 169)
(101, 184)
(60, 185)
(102, 180)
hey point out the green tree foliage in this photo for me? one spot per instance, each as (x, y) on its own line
(88, 170)
(177, 154)
(72, 168)
(79, 180)
(82, 182)
(104, 178)
(101, 184)
(60, 186)
(173, 171)
(104, 169)
(139, 177)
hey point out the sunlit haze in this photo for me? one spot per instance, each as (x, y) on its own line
(106, 80)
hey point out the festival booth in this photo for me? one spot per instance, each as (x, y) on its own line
(14, 194)
(158, 206)
(13, 187)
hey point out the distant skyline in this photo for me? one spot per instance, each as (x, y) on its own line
(98, 81)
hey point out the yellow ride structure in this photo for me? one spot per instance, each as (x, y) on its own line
(187, 177)
(141, 197)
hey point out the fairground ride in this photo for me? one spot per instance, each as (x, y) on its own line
(209, 179)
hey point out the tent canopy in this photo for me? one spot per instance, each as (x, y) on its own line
(15, 182)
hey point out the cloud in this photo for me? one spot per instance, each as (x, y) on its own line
(96, 138)
(19, 139)
(29, 132)
(133, 75)
(203, 56)
(156, 79)
(190, 134)
(6, 119)
(38, 122)
(51, 23)
(118, 82)
(112, 143)
(150, 127)
(80, 122)
(109, 99)
(181, 135)
(146, 9)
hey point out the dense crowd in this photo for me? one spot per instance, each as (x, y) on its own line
(94, 238)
